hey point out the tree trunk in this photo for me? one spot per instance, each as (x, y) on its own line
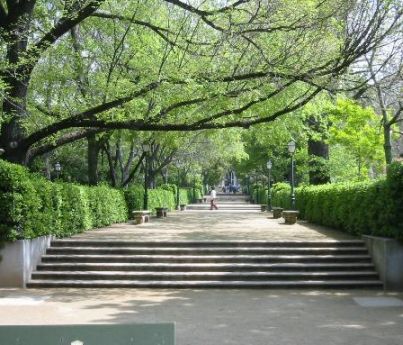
(387, 146)
(318, 152)
(17, 78)
(92, 156)
(14, 105)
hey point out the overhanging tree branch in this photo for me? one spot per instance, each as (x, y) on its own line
(63, 140)
(141, 125)
(69, 122)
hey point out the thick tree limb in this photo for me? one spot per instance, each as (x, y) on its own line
(141, 125)
(203, 13)
(134, 171)
(69, 122)
(63, 140)
(3, 16)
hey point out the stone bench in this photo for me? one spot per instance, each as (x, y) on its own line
(277, 212)
(161, 212)
(141, 217)
(263, 208)
(200, 200)
(204, 200)
(182, 207)
(290, 217)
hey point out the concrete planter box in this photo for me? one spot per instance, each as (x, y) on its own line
(277, 211)
(19, 259)
(387, 255)
(290, 216)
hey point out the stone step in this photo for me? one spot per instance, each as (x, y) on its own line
(206, 264)
(224, 207)
(320, 284)
(191, 276)
(206, 258)
(205, 251)
(203, 267)
(212, 244)
(229, 202)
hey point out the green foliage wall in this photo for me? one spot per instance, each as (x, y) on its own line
(31, 206)
(259, 194)
(372, 208)
(185, 196)
(160, 197)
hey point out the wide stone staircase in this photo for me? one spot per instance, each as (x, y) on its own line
(228, 202)
(205, 264)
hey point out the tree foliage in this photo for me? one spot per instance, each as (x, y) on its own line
(72, 68)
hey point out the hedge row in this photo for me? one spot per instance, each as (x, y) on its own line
(165, 196)
(156, 198)
(372, 208)
(31, 206)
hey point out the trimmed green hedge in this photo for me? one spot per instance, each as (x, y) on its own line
(372, 208)
(156, 198)
(258, 194)
(31, 206)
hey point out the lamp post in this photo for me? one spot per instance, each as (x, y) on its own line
(146, 149)
(269, 166)
(58, 169)
(178, 164)
(194, 188)
(291, 150)
(165, 173)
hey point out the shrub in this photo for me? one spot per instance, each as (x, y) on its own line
(372, 208)
(159, 197)
(31, 206)
(169, 186)
(185, 196)
(257, 194)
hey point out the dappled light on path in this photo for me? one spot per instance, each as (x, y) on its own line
(231, 316)
(212, 225)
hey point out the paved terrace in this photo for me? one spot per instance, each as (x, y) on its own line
(216, 225)
(214, 316)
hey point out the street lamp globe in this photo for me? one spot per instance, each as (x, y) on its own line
(58, 167)
(291, 146)
(269, 164)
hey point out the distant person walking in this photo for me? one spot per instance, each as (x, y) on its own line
(213, 195)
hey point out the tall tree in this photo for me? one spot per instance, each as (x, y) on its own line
(212, 66)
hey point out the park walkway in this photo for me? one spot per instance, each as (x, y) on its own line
(236, 246)
(221, 225)
(219, 316)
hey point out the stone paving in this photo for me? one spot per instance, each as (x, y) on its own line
(210, 317)
(216, 225)
(214, 316)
